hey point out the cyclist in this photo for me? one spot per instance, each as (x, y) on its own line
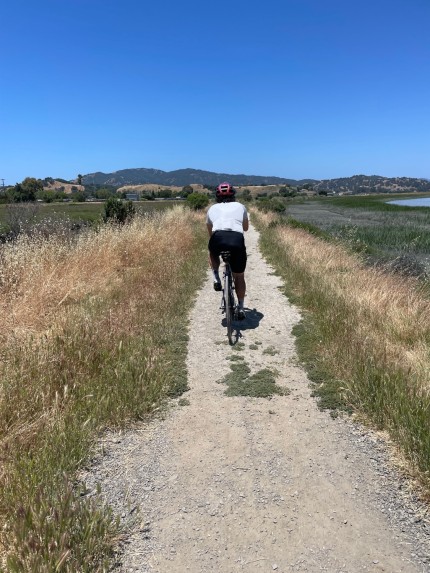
(226, 222)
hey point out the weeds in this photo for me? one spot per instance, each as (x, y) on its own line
(240, 381)
(270, 350)
(86, 530)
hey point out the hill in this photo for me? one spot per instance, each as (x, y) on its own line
(355, 184)
(50, 184)
(373, 184)
(181, 177)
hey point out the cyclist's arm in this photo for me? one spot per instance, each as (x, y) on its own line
(245, 223)
(209, 226)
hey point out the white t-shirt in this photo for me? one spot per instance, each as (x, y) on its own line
(227, 216)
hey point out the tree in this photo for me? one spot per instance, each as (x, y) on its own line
(48, 196)
(117, 211)
(104, 193)
(187, 190)
(79, 179)
(197, 201)
(26, 190)
(78, 197)
(165, 193)
(287, 191)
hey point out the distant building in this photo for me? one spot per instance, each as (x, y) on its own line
(132, 196)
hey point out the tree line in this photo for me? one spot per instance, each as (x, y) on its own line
(32, 189)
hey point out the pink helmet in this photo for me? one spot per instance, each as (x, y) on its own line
(225, 191)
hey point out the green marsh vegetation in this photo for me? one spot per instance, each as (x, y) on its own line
(365, 329)
(394, 235)
(93, 336)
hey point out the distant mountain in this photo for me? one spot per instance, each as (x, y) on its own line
(373, 184)
(182, 177)
(356, 184)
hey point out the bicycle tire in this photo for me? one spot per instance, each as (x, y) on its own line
(229, 306)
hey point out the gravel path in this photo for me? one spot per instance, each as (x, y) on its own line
(229, 484)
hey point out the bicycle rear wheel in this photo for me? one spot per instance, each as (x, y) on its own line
(229, 305)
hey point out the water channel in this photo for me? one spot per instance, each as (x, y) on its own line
(421, 202)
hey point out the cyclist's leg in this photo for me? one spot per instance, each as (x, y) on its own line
(238, 266)
(214, 261)
(240, 285)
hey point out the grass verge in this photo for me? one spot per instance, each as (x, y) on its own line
(364, 335)
(93, 335)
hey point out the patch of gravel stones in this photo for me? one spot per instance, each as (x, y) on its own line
(126, 494)
(392, 493)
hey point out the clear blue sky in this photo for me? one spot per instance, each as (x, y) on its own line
(292, 88)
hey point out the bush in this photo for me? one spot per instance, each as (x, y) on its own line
(197, 201)
(273, 204)
(246, 195)
(78, 197)
(117, 211)
(287, 192)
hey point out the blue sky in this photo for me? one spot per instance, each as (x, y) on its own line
(291, 88)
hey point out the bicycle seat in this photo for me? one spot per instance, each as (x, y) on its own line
(225, 255)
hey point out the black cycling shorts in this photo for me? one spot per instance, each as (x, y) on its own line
(230, 241)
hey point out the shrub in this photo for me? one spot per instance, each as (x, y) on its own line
(197, 201)
(273, 204)
(246, 195)
(117, 211)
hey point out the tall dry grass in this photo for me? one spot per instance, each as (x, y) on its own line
(371, 333)
(93, 334)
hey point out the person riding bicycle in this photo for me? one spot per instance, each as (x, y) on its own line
(226, 221)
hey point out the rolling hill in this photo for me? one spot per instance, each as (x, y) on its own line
(180, 177)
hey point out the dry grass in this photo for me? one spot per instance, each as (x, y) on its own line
(384, 311)
(41, 276)
(93, 333)
(366, 329)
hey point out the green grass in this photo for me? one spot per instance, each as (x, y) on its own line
(240, 381)
(271, 351)
(88, 212)
(372, 227)
(86, 530)
(327, 389)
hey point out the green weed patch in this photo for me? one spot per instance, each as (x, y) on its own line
(261, 384)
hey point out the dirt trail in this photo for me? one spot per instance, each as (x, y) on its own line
(230, 484)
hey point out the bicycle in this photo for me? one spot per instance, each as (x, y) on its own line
(228, 305)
